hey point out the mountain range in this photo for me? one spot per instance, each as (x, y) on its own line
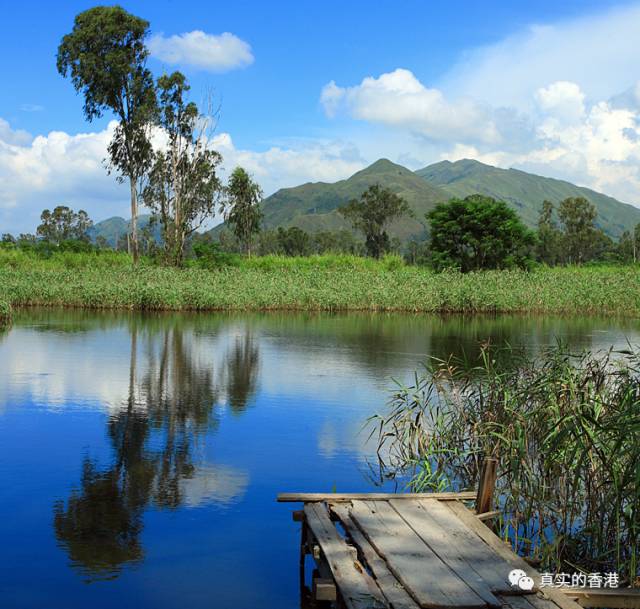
(313, 206)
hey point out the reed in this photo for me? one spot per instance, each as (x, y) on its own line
(565, 429)
(331, 283)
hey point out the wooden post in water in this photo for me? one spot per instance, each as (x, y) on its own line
(486, 485)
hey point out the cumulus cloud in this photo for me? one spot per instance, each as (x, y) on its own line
(60, 168)
(399, 99)
(214, 53)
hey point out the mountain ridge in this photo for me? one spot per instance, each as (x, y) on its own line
(312, 206)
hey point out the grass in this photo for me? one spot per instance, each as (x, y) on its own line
(5, 313)
(565, 429)
(330, 282)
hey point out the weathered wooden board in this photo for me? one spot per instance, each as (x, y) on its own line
(427, 579)
(357, 588)
(389, 585)
(514, 561)
(491, 567)
(455, 553)
(311, 497)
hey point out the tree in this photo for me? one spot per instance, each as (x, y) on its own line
(183, 186)
(624, 247)
(548, 245)
(372, 213)
(580, 234)
(478, 232)
(105, 57)
(294, 241)
(63, 224)
(242, 207)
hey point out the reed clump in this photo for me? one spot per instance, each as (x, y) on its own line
(5, 313)
(328, 282)
(565, 429)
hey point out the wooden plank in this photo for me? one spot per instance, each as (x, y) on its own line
(458, 553)
(425, 577)
(492, 568)
(623, 598)
(515, 561)
(527, 602)
(487, 484)
(311, 497)
(357, 588)
(392, 589)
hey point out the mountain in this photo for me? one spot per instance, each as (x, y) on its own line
(525, 192)
(313, 206)
(113, 228)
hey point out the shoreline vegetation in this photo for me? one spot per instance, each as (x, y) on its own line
(110, 280)
(5, 313)
(564, 427)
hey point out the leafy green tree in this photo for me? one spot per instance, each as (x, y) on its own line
(8, 238)
(478, 232)
(63, 224)
(636, 242)
(624, 247)
(580, 234)
(105, 57)
(294, 241)
(241, 208)
(372, 213)
(183, 186)
(549, 237)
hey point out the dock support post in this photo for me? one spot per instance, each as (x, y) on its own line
(486, 485)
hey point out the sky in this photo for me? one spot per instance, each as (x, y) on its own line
(317, 91)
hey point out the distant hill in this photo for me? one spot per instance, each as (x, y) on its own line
(312, 206)
(114, 227)
(525, 192)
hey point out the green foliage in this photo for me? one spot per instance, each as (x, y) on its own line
(63, 224)
(565, 429)
(549, 245)
(183, 186)
(578, 218)
(476, 233)
(210, 255)
(108, 279)
(524, 192)
(372, 213)
(293, 241)
(105, 57)
(242, 207)
(5, 314)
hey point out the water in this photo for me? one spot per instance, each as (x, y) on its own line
(140, 455)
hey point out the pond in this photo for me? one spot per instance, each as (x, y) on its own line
(141, 455)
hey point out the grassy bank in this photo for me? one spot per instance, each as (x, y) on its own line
(316, 283)
(5, 313)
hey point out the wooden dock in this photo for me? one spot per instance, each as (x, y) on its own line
(410, 552)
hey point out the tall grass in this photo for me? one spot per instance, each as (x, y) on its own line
(331, 282)
(566, 431)
(5, 313)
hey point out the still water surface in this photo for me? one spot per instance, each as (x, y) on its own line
(140, 455)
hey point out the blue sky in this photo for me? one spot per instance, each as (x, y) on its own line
(316, 91)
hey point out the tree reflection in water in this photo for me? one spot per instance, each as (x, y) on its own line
(171, 405)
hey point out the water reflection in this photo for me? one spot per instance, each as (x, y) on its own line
(161, 441)
(172, 403)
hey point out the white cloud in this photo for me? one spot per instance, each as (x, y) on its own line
(59, 168)
(214, 53)
(599, 52)
(560, 99)
(399, 99)
(13, 136)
